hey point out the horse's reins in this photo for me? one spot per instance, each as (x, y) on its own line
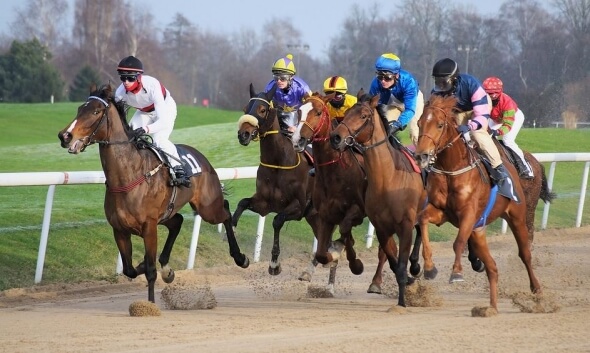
(350, 140)
(324, 122)
(270, 132)
(87, 141)
(438, 150)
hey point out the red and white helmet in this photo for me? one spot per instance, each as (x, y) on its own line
(493, 86)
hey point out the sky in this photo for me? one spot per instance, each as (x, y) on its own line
(318, 27)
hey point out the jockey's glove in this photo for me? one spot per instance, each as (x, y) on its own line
(394, 127)
(495, 133)
(139, 132)
(463, 129)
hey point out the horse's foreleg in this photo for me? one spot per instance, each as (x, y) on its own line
(480, 246)
(415, 255)
(435, 216)
(375, 286)
(150, 240)
(274, 268)
(401, 270)
(174, 224)
(123, 240)
(242, 205)
(234, 249)
(458, 247)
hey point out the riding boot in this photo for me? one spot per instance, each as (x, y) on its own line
(523, 169)
(311, 172)
(181, 178)
(500, 174)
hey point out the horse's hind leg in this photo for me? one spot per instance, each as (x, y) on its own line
(524, 252)
(375, 286)
(415, 255)
(174, 224)
(123, 240)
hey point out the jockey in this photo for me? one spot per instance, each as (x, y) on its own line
(506, 121)
(290, 92)
(155, 110)
(474, 106)
(342, 101)
(401, 101)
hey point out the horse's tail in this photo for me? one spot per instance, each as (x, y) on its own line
(546, 195)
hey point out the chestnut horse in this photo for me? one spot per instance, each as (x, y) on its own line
(283, 185)
(459, 192)
(138, 197)
(339, 194)
(395, 192)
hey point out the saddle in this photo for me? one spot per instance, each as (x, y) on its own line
(187, 161)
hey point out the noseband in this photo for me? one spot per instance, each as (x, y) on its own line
(350, 140)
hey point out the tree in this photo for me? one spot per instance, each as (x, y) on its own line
(41, 19)
(82, 82)
(31, 76)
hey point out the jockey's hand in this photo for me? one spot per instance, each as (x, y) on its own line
(139, 132)
(463, 129)
(495, 133)
(393, 127)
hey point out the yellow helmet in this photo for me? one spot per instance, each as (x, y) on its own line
(284, 66)
(335, 84)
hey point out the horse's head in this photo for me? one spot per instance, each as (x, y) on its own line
(259, 115)
(91, 123)
(360, 125)
(314, 122)
(437, 128)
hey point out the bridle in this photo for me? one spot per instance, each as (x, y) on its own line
(256, 133)
(351, 141)
(89, 140)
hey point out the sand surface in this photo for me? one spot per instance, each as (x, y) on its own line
(255, 312)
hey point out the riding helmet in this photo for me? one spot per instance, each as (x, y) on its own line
(284, 66)
(130, 64)
(445, 67)
(388, 62)
(335, 84)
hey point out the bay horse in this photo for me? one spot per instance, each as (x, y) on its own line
(459, 192)
(283, 185)
(340, 185)
(395, 191)
(138, 197)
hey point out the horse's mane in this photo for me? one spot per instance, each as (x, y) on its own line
(106, 92)
(447, 104)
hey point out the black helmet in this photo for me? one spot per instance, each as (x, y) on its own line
(445, 67)
(130, 65)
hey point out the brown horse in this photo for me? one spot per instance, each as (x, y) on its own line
(138, 196)
(459, 192)
(283, 185)
(339, 194)
(394, 193)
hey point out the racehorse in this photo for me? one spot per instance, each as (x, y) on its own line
(395, 191)
(283, 185)
(339, 193)
(459, 192)
(138, 194)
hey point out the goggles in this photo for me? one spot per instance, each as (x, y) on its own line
(282, 78)
(443, 84)
(129, 78)
(338, 96)
(382, 76)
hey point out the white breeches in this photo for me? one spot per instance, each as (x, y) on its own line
(161, 138)
(510, 138)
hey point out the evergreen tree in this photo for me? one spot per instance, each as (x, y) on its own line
(27, 75)
(82, 82)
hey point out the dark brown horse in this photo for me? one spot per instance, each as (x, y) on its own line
(283, 185)
(339, 193)
(138, 196)
(395, 192)
(459, 192)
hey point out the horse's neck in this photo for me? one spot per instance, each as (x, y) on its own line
(321, 141)
(454, 157)
(381, 157)
(276, 148)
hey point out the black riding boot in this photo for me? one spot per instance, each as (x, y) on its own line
(181, 178)
(523, 171)
(500, 174)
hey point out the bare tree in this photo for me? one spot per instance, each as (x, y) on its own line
(41, 19)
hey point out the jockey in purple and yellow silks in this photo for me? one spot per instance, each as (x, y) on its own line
(291, 90)
(400, 100)
(474, 105)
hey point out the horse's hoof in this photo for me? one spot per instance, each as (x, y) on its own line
(430, 274)
(374, 288)
(169, 278)
(356, 267)
(305, 277)
(478, 266)
(415, 269)
(274, 271)
(410, 281)
(456, 277)
(244, 263)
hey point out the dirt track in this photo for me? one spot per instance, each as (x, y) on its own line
(259, 313)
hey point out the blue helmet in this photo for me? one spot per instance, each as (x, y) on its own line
(388, 62)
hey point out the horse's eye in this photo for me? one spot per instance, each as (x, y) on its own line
(96, 111)
(441, 125)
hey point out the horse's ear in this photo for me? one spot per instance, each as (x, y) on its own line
(252, 91)
(360, 94)
(92, 87)
(374, 100)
